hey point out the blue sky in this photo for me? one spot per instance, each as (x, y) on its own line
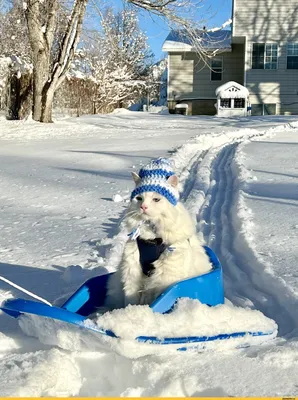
(213, 12)
(216, 12)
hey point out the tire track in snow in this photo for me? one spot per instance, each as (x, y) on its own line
(246, 282)
(193, 168)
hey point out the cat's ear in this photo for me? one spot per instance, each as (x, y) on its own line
(136, 178)
(173, 181)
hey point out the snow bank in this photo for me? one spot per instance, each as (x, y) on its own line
(189, 318)
(7, 344)
(39, 374)
(121, 111)
(264, 173)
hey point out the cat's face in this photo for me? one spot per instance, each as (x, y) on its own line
(151, 205)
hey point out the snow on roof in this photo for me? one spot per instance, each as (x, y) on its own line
(232, 90)
(180, 40)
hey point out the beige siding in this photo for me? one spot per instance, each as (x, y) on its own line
(268, 21)
(191, 79)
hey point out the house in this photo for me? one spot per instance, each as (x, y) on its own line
(260, 52)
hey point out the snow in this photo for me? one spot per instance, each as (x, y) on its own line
(224, 25)
(189, 318)
(117, 198)
(45, 367)
(60, 226)
(214, 39)
(4, 65)
(12, 284)
(232, 90)
(181, 105)
(139, 320)
(6, 344)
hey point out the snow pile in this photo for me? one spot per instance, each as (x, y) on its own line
(163, 110)
(189, 318)
(5, 295)
(7, 344)
(117, 198)
(123, 111)
(39, 374)
(275, 183)
(58, 333)
(73, 273)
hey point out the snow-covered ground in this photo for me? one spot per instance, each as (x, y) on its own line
(63, 190)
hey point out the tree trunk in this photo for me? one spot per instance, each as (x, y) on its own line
(47, 104)
(13, 95)
(49, 73)
(18, 94)
(40, 79)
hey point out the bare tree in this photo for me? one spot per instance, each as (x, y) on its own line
(13, 31)
(119, 59)
(50, 66)
(190, 17)
(15, 60)
(51, 61)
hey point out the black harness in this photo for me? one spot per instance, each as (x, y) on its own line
(150, 251)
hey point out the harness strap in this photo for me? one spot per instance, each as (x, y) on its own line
(150, 251)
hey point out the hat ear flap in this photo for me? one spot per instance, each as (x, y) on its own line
(136, 178)
(173, 181)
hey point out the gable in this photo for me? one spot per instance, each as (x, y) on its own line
(232, 90)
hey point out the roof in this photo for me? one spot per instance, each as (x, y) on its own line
(178, 40)
(232, 90)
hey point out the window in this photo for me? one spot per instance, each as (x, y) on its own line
(216, 69)
(264, 56)
(269, 109)
(225, 103)
(257, 110)
(292, 56)
(258, 51)
(239, 103)
(263, 109)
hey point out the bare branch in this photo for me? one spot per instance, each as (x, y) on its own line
(180, 15)
(51, 22)
(69, 43)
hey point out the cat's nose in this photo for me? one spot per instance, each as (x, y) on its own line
(144, 207)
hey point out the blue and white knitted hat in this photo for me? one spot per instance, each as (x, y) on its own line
(154, 178)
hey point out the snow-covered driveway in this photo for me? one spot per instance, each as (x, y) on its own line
(58, 218)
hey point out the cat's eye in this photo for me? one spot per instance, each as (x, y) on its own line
(156, 199)
(139, 198)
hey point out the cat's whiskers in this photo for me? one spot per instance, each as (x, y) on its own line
(129, 214)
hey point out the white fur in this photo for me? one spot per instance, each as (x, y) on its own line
(174, 225)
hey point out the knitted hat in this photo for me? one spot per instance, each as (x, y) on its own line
(154, 178)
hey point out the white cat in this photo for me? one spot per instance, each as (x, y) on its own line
(182, 255)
